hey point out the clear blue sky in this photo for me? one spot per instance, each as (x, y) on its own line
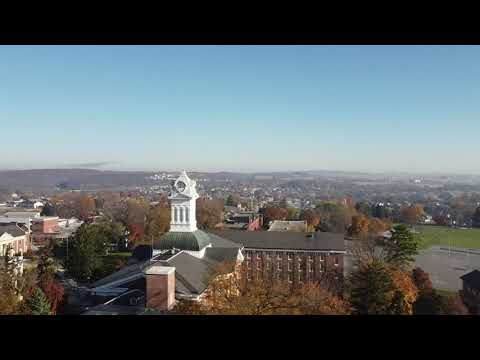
(241, 108)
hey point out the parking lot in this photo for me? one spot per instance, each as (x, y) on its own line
(445, 267)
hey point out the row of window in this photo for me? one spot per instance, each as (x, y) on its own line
(178, 214)
(310, 267)
(279, 256)
(301, 278)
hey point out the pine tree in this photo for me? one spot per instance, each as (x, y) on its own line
(402, 247)
(371, 289)
(38, 303)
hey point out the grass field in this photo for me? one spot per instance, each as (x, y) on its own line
(445, 236)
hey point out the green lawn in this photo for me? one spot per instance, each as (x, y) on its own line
(445, 236)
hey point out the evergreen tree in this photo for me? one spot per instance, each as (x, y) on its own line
(230, 201)
(38, 303)
(402, 247)
(370, 289)
(476, 218)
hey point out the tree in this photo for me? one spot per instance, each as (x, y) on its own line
(158, 222)
(312, 218)
(359, 227)
(209, 213)
(48, 210)
(411, 214)
(364, 208)
(371, 288)
(275, 213)
(86, 206)
(9, 302)
(402, 247)
(405, 293)
(231, 201)
(46, 267)
(292, 213)
(54, 292)
(422, 279)
(38, 303)
(85, 252)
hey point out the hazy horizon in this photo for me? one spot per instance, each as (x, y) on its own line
(370, 109)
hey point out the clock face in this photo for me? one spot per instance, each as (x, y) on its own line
(180, 186)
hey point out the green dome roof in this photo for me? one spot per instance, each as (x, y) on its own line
(193, 241)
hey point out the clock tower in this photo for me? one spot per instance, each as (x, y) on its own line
(183, 203)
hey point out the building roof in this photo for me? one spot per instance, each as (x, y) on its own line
(321, 241)
(120, 310)
(11, 229)
(277, 225)
(472, 279)
(192, 241)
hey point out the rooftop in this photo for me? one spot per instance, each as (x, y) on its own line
(472, 279)
(277, 225)
(321, 241)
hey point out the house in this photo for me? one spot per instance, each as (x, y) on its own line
(471, 290)
(13, 236)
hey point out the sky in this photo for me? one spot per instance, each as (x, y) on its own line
(241, 108)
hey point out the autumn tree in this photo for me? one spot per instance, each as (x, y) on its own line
(292, 213)
(359, 227)
(275, 213)
(209, 213)
(364, 208)
(158, 222)
(411, 214)
(312, 218)
(401, 248)
(9, 302)
(86, 206)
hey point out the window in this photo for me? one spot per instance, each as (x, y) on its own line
(279, 266)
(279, 256)
(310, 268)
(336, 260)
(249, 275)
(258, 276)
(267, 255)
(181, 214)
(290, 278)
(322, 257)
(248, 265)
(290, 256)
(289, 266)
(310, 258)
(258, 256)
(187, 218)
(248, 255)
(322, 267)
(268, 265)
(299, 266)
(258, 266)
(175, 214)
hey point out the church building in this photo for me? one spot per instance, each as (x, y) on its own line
(183, 260)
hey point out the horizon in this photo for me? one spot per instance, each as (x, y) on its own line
(242, 109)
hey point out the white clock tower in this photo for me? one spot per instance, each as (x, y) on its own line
(183, 202)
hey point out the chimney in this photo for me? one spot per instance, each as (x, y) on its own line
(160, 282)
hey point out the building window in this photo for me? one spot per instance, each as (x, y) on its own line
(336, 260)
(279, 266)
(299, 266)
(181, 214)
(268, 265)
(279, 256)
(258, 276)
(248, 265)
(248, 255)
(322, 267)
(267, 255)
(310, 258)
(258, 256)
(322, 257)
(289, 266)
(187, 218)
(175, 214)
(310, 268)
(290, 256)
(290, 277)
(258, 266)
(249, 275)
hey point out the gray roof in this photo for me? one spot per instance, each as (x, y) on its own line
(11, 229)
(193, 241)
(191, 273)
(321, 241)
(472, 279)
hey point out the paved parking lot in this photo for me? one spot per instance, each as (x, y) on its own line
(445, 267)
